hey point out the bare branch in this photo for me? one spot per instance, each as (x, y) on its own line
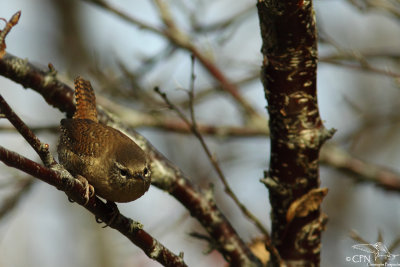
(359, 66)
(180, 39)
(165, 175)
(124, 16)
(136, 118)
(57, 176)
(45, 83)
(297, 132)
(221, 25)
(10, 202)
(41, 149)
(362, 171)
(213, 161)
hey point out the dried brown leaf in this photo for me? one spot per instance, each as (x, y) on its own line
(310, 202)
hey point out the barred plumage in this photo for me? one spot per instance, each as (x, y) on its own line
(112, 163)
(85, 100)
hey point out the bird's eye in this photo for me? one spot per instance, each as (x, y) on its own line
(146, 171)
(123, 173)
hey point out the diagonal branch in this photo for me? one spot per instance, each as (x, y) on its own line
(30, 137)
(73, 187)
(57, 176)
(11, 201)
(56, 93)
(165, 175)
(192, 125)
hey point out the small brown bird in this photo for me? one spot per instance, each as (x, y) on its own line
(112, 163)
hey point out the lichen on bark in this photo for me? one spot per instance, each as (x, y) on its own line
(297, 132)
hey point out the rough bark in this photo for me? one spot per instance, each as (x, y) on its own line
(297, 132)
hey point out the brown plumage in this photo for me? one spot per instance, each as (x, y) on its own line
(112, 163)
(85, 100)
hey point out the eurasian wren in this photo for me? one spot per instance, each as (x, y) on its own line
(112, 163)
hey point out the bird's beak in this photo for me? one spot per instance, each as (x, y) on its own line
(139, 176)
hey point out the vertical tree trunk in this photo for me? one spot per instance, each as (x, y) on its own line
(297, 133)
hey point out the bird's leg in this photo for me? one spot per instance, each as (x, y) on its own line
(114, 213)
(89, 189)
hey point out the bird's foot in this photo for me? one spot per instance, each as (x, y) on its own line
(114, 213)
(89, 189)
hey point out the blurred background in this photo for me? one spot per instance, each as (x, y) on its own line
(358, 91)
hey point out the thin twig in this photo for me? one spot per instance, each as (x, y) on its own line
(36, 129)
(214, 162)
(221, 25)
(344, 55)
(41, 149)
(125, 16)
(191, 94)
(11, 202)
(210, 91)
(390, 7)
(360, 67)
(3, 33)
(334, 156)
(180, 39)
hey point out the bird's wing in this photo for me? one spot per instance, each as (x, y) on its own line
(83, 137)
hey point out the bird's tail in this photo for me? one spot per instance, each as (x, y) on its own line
(85, 100)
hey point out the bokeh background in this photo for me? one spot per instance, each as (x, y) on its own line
(359, 96)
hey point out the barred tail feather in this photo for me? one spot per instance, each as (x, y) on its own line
(85, 100)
